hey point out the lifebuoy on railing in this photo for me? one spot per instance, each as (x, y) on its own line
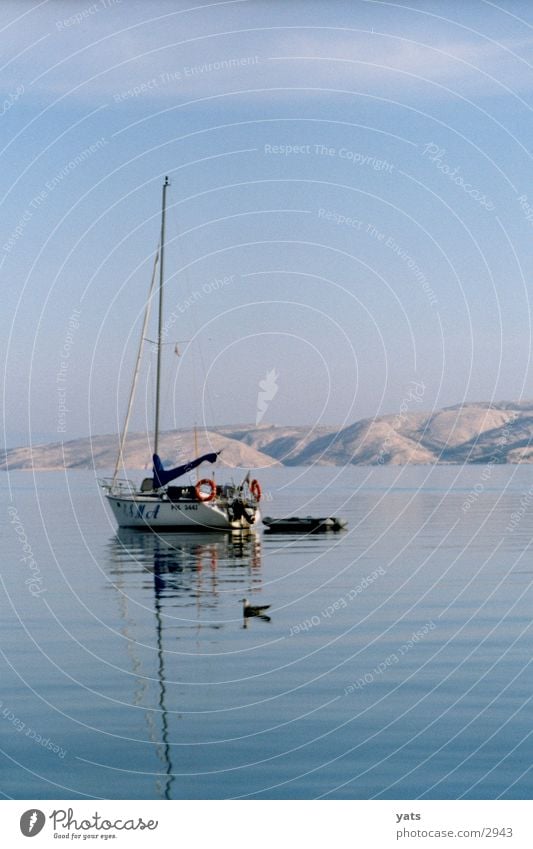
(205, 496)
(255, 489)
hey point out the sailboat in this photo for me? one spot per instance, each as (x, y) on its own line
(155, 505)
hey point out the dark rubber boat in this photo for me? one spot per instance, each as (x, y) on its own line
(303, 525)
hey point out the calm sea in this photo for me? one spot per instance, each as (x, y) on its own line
(396, 662)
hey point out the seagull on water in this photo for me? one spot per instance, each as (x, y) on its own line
(253, 609)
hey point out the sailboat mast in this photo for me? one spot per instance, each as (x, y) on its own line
(160, 318)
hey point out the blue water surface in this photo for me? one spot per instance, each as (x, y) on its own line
(396, 663)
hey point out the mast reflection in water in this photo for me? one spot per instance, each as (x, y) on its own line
(195, 581)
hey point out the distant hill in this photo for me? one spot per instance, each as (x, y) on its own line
(466, 433)
(100, 452)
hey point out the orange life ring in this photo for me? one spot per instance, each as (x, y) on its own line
(205, 496)
(255, 489)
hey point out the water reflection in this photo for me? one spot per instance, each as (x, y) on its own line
(178, 560)
(178, 570)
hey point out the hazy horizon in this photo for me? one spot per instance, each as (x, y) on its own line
(53, 437)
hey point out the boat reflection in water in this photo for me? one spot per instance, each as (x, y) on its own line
(195, 583)
(188, 564)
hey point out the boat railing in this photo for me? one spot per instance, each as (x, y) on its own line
(118, 486)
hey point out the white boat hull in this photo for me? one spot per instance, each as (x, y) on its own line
(147, 512)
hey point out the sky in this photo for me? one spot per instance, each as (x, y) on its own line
(349, 221)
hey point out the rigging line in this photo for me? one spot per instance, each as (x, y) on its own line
(149, 406)
(120, 457)
(167, 384)
(176, 372)
(190, 306)
(206, 392)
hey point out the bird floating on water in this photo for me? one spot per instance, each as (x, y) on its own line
(254, 609)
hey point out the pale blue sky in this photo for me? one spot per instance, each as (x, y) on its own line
(391, 244)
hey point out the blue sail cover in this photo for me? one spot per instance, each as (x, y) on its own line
(162, 476)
